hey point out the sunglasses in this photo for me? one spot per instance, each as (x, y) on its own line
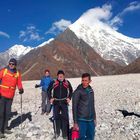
(12, 64)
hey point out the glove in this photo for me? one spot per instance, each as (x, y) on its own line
(21, 91)
(36, 86)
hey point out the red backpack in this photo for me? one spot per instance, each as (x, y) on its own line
(65, 84)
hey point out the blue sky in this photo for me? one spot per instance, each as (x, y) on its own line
(31, 22)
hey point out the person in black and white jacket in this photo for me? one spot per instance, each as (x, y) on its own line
(60, 93)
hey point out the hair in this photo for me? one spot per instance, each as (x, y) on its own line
(86, 75)
(13, 60)
(47, 71)
(60, 72)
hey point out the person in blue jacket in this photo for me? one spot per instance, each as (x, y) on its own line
(44, 83)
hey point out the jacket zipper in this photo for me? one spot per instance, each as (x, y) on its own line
(89, 105)
(60, 92)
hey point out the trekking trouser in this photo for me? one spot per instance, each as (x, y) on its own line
(61, 118)
(44, 97)
(21, 109)
(48, 104)
(86, 130)
(5, 110)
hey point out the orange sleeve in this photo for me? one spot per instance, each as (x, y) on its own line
(19, 82)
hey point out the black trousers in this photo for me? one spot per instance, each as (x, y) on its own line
(5, 110)
(61, 118)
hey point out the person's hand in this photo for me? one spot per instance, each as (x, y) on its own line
(68, 100)
(75, 127)
(36, 86)
(21, 91)
(95, 122)
(51, 100)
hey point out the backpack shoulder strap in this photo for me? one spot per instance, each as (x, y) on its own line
(55, 84)
(66, 84)
(17, 74)
(5, 72)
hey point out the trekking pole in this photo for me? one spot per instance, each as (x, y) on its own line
(37, 110)
(36, 95)
(35, 99)
(21, 109)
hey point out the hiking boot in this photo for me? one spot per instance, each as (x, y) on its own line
(2, 135)
(56, 136)
(6, 131)
(47, 113)
(42, 113)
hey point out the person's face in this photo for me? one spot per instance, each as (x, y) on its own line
(61, 77)
(11, 65)
(85, 82)
(47, 73)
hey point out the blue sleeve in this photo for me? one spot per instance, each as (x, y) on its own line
(41, 82)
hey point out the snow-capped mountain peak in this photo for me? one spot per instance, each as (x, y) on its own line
(106, 41)
(17, 51)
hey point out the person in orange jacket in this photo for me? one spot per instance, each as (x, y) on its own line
(9, 79)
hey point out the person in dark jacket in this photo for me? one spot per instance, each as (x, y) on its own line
(84, 114)
(60, 93)
(44, 83)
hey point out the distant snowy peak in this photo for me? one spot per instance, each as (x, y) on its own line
(17, 51)
(46, 42)
(109, 43)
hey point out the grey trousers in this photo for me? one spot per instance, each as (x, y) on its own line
(45, 102)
